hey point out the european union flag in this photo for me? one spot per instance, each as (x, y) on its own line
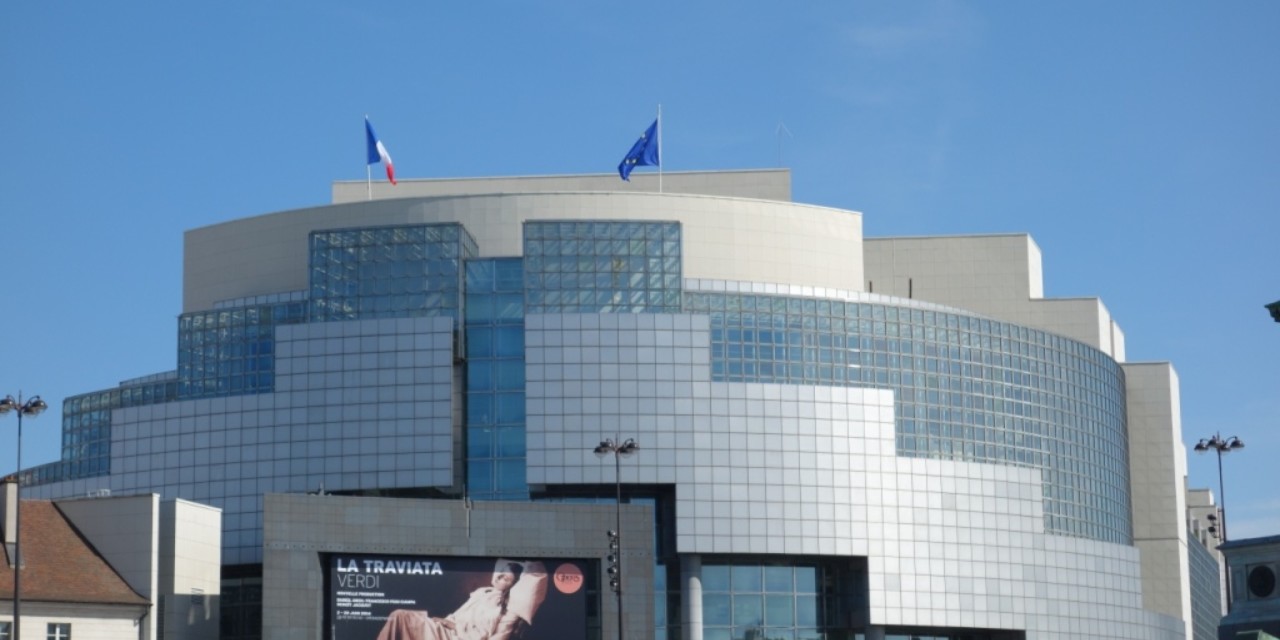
(643, 153)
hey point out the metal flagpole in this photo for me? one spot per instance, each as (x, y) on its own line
(660, 151)
(368, 168)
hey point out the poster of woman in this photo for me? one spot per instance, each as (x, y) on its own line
(376, 597)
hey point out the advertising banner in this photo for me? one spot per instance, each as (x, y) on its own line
(386, 597)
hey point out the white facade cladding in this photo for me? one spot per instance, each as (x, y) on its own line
(925, 443)
(359, 405)
(802, 470)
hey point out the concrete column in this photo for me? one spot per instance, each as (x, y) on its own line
(875, 633)
(691, 598)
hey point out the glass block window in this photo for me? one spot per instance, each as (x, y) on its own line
(753, 599)
(966, 388)
(602, 267)
(495, 380)
(228, 352)
(388, 272)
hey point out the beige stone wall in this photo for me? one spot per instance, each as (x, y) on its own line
(723, 238)
(995, 275)
(1157, 468)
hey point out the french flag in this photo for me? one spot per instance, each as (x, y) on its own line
(377, 152)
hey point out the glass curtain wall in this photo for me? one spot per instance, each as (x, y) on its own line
(86, 429)
(751, 598)
(230, 352)
(966, 388)
(388, 272)
(495, 425)
(602, 267)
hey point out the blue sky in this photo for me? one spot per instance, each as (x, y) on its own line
(1136, 141)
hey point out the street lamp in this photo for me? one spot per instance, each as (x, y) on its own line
(619, 451)
(32, 407)
(1220, 445)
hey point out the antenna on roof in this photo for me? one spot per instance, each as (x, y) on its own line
(782, 128)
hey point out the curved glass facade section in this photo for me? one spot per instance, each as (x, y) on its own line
(966, 388)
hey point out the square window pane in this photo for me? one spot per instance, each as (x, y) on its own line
(511, 475)
(778, 611)
(480, 276)
(510, 442)
(716, 608)
(480, 375)
(509, 275)
(746, 579)
(715, 578)
(509, 341)
(806, 579)
(510, 408)
(510, 374)
(480, 409)
(509, 306)
(748, 609)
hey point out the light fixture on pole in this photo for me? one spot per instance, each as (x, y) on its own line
(32, 407)
(614, 559)
(1220, 445)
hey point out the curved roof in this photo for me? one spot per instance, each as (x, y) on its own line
(724, 238)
